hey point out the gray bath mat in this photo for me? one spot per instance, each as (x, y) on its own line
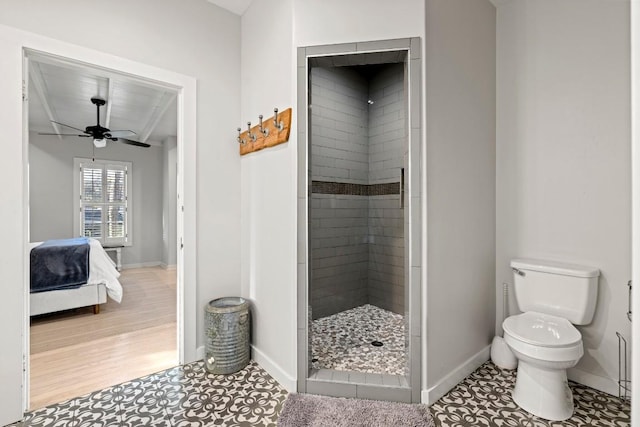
(321, 411)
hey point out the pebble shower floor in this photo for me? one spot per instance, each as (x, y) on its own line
(342, 341)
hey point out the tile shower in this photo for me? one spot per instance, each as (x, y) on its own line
(358, 140)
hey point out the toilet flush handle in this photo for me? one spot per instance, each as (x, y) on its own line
(518, 271)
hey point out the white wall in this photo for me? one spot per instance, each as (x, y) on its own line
(268, 189)
(51, 176)
(195, 38)
(13, 227)
(155, 47)
(563, 149)
(635, 147)
(460, 85)
(269, 177)
(318, 22)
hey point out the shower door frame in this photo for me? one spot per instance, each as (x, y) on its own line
(347, 383)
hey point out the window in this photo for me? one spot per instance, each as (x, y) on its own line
(103, 198)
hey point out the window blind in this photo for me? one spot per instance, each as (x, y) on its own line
(104, 202)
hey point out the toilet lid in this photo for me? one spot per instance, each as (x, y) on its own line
(542, 329)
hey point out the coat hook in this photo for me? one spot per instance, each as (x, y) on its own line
(240, 140)
(252, 137)
(264, 130)
(278, 125)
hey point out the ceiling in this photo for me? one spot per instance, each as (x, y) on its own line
(239, 7)
(236, 6)
(62, 92)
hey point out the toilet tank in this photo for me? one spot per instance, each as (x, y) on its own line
(559, 289)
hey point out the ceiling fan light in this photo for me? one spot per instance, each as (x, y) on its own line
(100, 143)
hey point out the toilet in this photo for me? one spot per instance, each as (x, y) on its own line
(553, 297)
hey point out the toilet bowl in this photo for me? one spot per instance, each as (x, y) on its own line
(553, 297)
(545, 347)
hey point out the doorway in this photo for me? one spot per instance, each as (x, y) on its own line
(176, 275)
(359, 160)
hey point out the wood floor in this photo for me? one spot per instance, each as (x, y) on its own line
(76, 352)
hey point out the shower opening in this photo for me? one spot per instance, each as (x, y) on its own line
(358, 139)
(359, 266)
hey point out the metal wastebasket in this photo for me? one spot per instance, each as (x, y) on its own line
(227, 328)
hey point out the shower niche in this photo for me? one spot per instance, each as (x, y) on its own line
(358, 225)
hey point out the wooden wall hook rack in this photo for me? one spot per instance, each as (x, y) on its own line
(267, 133)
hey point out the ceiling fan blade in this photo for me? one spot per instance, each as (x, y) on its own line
(132, 142)
(62, 124)
(64, 134)
(121, 133)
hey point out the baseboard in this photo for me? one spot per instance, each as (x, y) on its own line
(168, 266)
(607, 385)
(431, 395)
(141, 265)
(200, 353)
(272, 368)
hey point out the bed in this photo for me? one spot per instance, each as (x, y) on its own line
(101, 281)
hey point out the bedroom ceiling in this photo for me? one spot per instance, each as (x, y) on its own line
(62, 92)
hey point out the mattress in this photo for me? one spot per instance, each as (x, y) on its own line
(102, 270)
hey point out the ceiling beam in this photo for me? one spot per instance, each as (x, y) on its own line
(107, 119)
(41, 89)
(161, 107)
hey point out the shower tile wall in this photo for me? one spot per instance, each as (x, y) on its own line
(387, 141)
(338, 222)
(356, 238)
(339, 121)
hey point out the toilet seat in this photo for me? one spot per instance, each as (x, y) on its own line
(542, 329)
(543, 338)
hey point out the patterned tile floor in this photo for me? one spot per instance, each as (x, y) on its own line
(484, 399)
(343, 341)
(182, 396)
(190, 396)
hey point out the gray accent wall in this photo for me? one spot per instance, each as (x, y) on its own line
(387, 123)
(339, 253)
(387, 146)
(461, 196)
(338, 222)
(339, 120)
(51, 192)
(357, 240)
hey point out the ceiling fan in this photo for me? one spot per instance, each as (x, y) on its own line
(101, 134)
